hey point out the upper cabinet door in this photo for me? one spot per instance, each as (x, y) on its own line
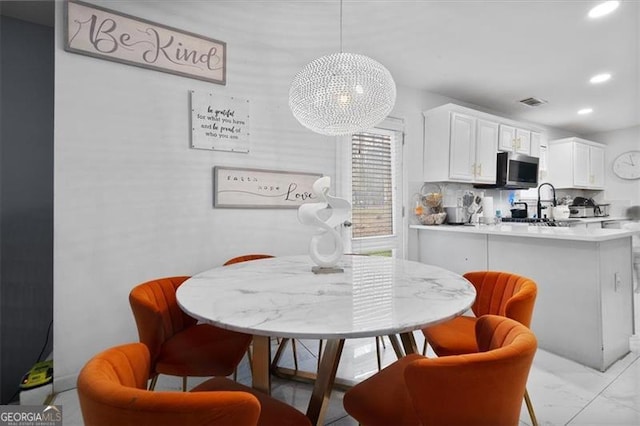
(536, 143)
(463, 137)
(486, 150)
(523, 142)
(581, 175)
(507, 138)
(596, 167)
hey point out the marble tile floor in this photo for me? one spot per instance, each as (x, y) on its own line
(563, 392)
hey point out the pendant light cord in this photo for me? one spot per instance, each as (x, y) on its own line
(341, 26)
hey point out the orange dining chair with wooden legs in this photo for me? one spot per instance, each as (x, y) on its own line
(178, 345)
(497, 293)
(479, 389)
(112, 391)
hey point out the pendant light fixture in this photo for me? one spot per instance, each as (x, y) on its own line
(342, 93)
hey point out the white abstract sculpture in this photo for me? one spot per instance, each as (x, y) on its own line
(311, 214)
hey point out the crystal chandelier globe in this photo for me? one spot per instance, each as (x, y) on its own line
(342, 93)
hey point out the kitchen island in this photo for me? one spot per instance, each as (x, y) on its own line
(584, 308)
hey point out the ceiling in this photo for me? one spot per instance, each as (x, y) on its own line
(487, 53)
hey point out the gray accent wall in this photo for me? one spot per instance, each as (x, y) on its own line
(26, 198)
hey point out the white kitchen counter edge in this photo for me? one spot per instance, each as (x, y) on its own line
(558, 233)
(599, 219)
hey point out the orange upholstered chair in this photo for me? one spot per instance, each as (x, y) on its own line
(498, 293)
(246, 258)
(483, 388)
(178, 345)
(112, 391)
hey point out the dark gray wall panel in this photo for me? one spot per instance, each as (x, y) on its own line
(26, 197)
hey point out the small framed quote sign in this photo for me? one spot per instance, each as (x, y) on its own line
(257, 188)
(219, 123)
(106, 34)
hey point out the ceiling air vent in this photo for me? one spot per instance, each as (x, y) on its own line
(533, 102)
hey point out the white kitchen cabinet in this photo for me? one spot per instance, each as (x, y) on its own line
(581, 173)
(456, 252)
(585, 225)
(461, 144)
(584, 306)
(596, 277)
(537, 141)
(576, 163)
(459, 147)
(462, 147)
(514, 139)
(486, 149)
(543, 165)
(596, 166)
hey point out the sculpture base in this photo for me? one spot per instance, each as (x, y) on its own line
(331, 270)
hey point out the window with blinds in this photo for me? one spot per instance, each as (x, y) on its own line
(372, 183)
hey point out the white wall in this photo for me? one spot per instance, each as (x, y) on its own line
(617, 142)
(132, 201)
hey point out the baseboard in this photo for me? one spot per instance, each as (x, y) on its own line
(634, 343)
(37, 396)
(61, 384)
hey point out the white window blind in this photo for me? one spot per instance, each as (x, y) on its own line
(372, 180)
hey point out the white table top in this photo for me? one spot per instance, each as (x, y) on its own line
(282, 297)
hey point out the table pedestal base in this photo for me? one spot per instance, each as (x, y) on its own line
(324, 381)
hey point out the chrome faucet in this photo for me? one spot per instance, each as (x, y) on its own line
(540, 203)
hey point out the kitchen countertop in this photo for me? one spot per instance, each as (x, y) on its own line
(509, 230)
(598, 219)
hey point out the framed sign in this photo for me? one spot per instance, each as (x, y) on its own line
(102, 33)
(257, 188)
(219, 123)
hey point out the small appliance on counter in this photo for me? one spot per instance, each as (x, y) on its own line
(517, 213)
(601, 210)
(580, 211)
(561, 211)
(586, 207)
(457, 215)
(468, 206)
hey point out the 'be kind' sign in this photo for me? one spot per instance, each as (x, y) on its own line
(106, 34)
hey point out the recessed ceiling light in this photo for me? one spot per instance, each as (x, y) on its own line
(600, 78)
(603, 9)
(584, 111)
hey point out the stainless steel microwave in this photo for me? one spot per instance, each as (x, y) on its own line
(514, 171)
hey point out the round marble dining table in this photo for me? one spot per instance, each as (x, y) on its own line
(282, 297)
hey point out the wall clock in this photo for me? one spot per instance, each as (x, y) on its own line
(627, 165)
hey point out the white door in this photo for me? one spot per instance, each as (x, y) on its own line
(371, 177)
